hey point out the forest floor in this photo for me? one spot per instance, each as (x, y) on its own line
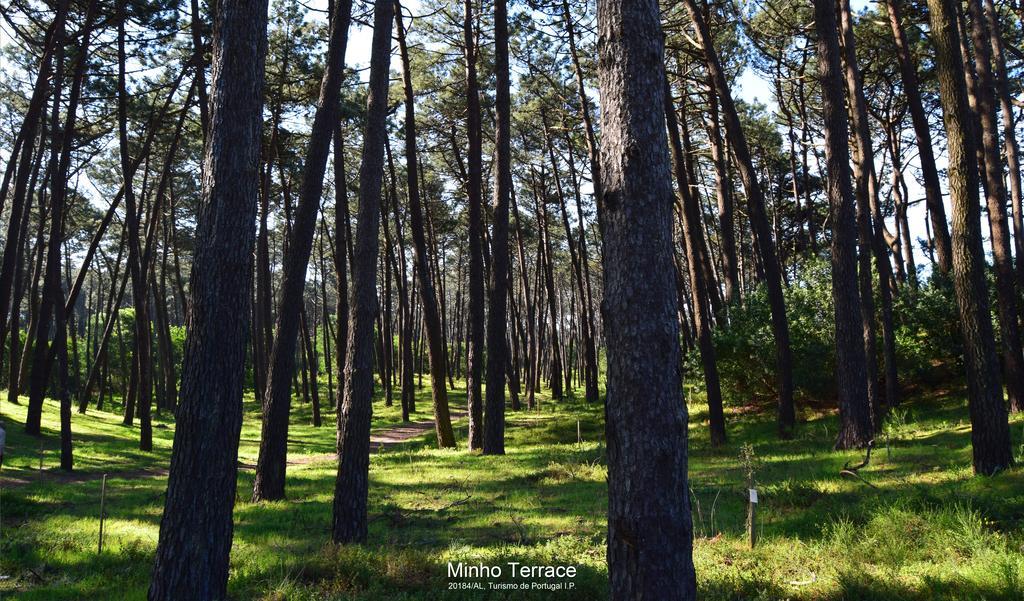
(917, 525)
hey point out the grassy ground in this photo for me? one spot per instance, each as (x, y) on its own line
(926, 530)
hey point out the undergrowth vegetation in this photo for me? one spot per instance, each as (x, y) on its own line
(919, 526)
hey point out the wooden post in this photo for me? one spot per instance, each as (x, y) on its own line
(103, 498)
(579, 433)
(752, 517)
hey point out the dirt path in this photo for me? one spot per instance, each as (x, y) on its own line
(382, 439)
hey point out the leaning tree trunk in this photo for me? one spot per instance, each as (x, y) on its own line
(196, 529)
(990, 431)
(759, 224)
(650, 533)
(351, 487)
(30, 126)
(53, 295)
(270, 467)
(922, 131)
(693, 237)
(431, 316)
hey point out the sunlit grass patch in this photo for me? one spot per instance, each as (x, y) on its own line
(924, 529)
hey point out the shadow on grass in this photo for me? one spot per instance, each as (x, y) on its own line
(930, 530)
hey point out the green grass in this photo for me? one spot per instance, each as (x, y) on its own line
(930, 530)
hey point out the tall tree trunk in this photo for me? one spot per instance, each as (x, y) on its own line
(723, 195)
(30, 126)
(474, 184)
(22, 250)
(531, 327)
(269, 484)
(142, 356)
(592, 371)
(406, 293)
(549, 283)
(431, 315)
(52, 302)
(851, 362)
(196, 529)
(873, 239)
(922, 131)
(758, 222)
(693, 237)
(995, 199)
(497, 314)
(1010, 146)
(349, 522)
(593, 150)
(586, 325)
(990, 431)
(53, 272)
(650, 533)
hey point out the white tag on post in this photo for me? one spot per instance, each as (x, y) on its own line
(753, 495)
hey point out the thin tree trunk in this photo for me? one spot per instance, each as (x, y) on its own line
(428, 299)
(52, 302)
(474, 184)
(995, 199)
(758, 222)
(589, 352)
(349, 522)
(341, 241)
(867, 202)
(269, 484)
(54, 44)
(693, 236)
(1010, 146)
(142, 359)
(922, 131)
(552, 297)
(723, 195)
(312, 366)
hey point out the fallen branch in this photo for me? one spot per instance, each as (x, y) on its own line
(456, 503)
(851, 471)
(867, 459)
(854, 474)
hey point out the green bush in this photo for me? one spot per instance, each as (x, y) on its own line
(746, 345)
(925, 326)
(928, 344)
